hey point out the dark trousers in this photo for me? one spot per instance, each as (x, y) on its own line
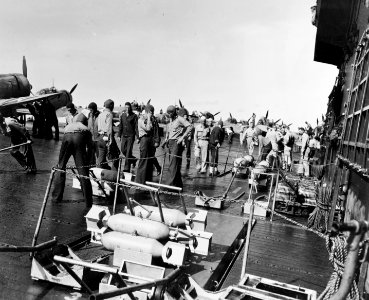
(145, 166)
(73, 144)
(126, 149)
(214, 151)
(94, 152)
(51, 121)
(25, 159)
(102, 150)
(175, 163)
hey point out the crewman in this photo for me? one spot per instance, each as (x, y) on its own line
(105, 134)
(177, 129)
(73, 113)
(201, 139)
(249, 138)
(127, 134)
(92, 126)
(148, 142)
(304, 152)
(77, 141)
(183, 112)
(243, 140)
(215, 141)
(275, 138)
(38, 123)
(51, 120)
(230, 134)
(18, 135)
(288, 141)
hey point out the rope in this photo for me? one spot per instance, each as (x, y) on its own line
(337, 249)
(318, 219)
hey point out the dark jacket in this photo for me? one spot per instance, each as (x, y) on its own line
(128, 125)
(216, 136)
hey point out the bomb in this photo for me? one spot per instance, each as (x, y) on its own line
(134, 225)
(172, 253)
(172, 217)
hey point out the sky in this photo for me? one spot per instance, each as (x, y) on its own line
(232, 56)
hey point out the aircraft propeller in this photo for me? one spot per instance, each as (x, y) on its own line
(24, 67)
(73, 88)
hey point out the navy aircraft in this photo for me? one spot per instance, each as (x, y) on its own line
(15, 92)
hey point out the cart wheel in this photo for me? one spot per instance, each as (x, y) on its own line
(159, 292)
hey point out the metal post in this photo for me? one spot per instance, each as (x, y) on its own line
(16, 146)
(128, 201)
(156, 195)
(275, 194)
(162, 167)
(183, 203)
(35, 236)
(39, 247)
(270, 190)
(76, 278)
(230, 183)
(117, 185)
(247, 243)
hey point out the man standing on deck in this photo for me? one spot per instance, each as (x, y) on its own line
(201, 138)
(243, 140)
(127, 133)
(51, 120)
(183, 112)
(288, 141)
(105, 134)
(177, 129)
(148, 133)
(215, 141)
(18, 135)
(92, 126)
(77, 141)
(305, 152)
(249, 138)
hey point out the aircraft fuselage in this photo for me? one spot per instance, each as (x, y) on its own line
(13, 86)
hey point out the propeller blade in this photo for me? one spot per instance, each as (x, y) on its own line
(231, 116)
(317, 122)
(216, 113)
(24, 67)
(277, 121)
(266, 116)
(323, 118)
(148, 102)
(180, 103)
(73, 88)
(289, 124)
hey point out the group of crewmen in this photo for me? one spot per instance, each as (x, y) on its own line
(276, 144)
(91, 141)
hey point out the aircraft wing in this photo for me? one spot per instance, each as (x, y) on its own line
(24, 100)
(58, 99)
